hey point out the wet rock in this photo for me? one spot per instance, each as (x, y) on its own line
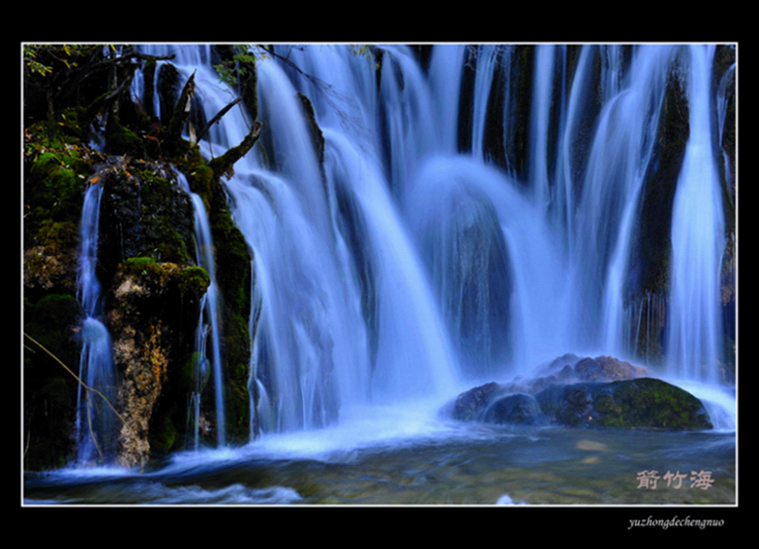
(491, 404)
(519, 409)
(644, 403)
(606, 368)
(471, 404)
(570, 368)
(585, 392)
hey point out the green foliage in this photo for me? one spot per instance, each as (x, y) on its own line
(32, 63)
(244, 59)
(42, 60)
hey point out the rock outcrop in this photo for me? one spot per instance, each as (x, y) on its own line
(585, 392)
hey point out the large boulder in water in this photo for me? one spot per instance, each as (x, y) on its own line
(644, 402)
(584, 392)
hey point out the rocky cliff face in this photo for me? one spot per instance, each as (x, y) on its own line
(151, 285)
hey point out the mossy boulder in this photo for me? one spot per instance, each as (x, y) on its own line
(122, 140)
(194, 280)
(144, 213)
(640, 403)
(152, 316)
(584, 392)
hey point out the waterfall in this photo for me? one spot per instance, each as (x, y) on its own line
(694, 335)
(633, 122)
(541, 110)
(347, 316)
(446, 65)
(208, 323)
(395, 259)
(488, 58)
(95, 423)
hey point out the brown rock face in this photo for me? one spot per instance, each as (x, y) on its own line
(141, 352)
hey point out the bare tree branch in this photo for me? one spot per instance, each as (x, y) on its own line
(216, 118)
(223, 165)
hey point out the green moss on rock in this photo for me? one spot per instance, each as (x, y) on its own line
(642, 403)
(122, 140)
(234, 283)
(56, 167)
(195, 280)
(144, 213)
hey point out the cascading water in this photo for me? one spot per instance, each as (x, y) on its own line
(346, 314)
(694, 337)
(630, 124)
(422, 221)
(541, 110)
(395, 263)
(95, 422)
(208, 324)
